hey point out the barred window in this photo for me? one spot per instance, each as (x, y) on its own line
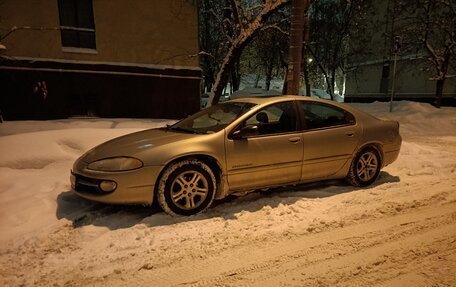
(77, 25)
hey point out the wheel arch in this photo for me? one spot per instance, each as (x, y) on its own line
(378, 146)
(353, 177)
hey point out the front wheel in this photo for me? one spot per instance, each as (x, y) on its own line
(365, 168)
(186, 187)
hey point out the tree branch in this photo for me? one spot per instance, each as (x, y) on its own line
(14, 29)
(236, 12)
(274, 26)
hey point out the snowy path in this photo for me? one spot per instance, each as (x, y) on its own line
(399, 232)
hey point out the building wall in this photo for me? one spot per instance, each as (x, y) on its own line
(410, 80)
(163, 32)
(365, 82)
(144, 62)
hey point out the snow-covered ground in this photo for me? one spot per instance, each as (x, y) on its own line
(399, 232)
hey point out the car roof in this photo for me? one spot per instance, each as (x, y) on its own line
(275, 99)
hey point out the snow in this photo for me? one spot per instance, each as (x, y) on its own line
(254, 92)
(93, 51)
(398, 232)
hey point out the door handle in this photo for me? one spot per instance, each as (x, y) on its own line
(350, 134)
(294, 139)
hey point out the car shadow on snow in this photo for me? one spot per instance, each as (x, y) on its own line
(230, 208)
(82, 212)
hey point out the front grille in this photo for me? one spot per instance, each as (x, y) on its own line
(88, 185)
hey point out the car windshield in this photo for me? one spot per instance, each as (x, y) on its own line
(212, 119)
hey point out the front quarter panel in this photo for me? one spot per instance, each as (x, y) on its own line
(210, 145)
(137, 186)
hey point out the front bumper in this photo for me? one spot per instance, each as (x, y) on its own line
(133, 187)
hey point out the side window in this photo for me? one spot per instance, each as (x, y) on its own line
(77, 25)
(274, 119)
(318, 115)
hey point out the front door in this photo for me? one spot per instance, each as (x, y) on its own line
(272, 157)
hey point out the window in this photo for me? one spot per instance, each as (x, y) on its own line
(274, 119)
(77, 27)
(318, 115)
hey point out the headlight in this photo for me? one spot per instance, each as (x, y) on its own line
(116, 164)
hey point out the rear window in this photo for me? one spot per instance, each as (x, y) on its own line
(318, 115)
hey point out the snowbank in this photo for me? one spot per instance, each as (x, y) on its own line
(35, 166)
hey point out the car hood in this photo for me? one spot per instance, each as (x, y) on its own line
(134, 144)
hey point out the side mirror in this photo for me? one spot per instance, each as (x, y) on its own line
(247, 131)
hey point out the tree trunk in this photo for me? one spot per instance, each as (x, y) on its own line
(285, 81)
(306, 78)
(305, 65)
(327, 80)
(235, 77)
(270, 68)
(207, 63)
(333, 83)
(344, 83)
(441, 82)
(439, 92)
(295, 52)
(257, 80)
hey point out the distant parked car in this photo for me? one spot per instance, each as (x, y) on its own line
(239, 145)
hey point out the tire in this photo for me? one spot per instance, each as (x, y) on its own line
(365, 167)
(186, 187)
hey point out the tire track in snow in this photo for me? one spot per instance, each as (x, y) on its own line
(298, 257)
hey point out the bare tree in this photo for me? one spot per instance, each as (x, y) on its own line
(245, 23)
(212, 39)
(428, 31)
(266, 55)
(336, 34)
(437, 24)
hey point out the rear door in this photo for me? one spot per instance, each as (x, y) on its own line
(330, 136)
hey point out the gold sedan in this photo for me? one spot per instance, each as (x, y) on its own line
(238, 146)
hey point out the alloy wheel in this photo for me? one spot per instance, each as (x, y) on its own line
(367, 166)
(189, 190)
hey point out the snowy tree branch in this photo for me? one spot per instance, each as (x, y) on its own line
(203, 53)
(276, 27)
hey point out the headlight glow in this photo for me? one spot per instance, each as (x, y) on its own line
(116, 164)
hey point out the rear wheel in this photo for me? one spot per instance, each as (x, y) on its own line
(186, 187)
(365, 168)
